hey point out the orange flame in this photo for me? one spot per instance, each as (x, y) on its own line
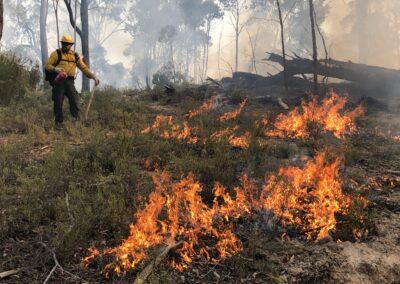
(187, 218)
(206, 106)
(307, 198)
(242, 141)
(234, 113)
(165, 127)
(312, 116)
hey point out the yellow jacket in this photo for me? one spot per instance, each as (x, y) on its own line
(68, 64)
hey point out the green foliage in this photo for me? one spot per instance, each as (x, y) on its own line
(168, 75)
(16, 79)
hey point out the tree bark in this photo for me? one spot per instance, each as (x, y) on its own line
(43, 31)
(370, 79)
(237, 33)
(1, 19)
(85, 42)
(285, 80)
(314, 43)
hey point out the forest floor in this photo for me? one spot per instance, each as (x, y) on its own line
(62, 193)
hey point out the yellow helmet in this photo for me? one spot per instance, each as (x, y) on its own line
(67, 39)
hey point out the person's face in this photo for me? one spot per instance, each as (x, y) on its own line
(67, 47)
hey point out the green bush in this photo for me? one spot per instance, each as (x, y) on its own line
(16, 77)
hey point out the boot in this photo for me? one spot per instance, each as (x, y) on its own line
(59, 126)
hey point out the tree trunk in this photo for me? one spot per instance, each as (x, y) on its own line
(43, 32)
(85, 42)
(237, 33)
(1, 19)
(315, 49)
(370, 79)
(285, 81)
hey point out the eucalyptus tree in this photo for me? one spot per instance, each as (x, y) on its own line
(44, 4)
(236, 10)
(1, 19)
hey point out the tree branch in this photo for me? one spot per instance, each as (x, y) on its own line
(71, 17)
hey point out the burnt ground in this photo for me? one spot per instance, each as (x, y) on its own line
(39, 225)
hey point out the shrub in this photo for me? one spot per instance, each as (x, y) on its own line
(16, 77)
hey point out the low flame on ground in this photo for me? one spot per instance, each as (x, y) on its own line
(165, 127)
(305, 198)
(396, 138)
(206, 106)
(176, 212)
(242, 141)
(327, 116)
(234, 113)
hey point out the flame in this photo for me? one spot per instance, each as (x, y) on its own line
(242, 141)
(396, 138)
(312, 116)
(165, 128)
(206, 106)
(234, 113)
(175, 212)
(307, 198)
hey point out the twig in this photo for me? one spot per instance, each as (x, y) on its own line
(50, 274)
(9, 273)
(71, 218)
(57, 265)
(90, 102)
(141, 278)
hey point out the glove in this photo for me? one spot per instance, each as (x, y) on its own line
(58, 70)
(96, 81)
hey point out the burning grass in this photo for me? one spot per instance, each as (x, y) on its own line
(206, 106)
(234, 113)
(307, 199)
(308, 121)
(313, 117)
(196, 205)
(175, 211)
(166, 128)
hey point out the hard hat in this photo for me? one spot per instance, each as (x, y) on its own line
(67, 39)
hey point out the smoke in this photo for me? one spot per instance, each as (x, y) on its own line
(132, 40)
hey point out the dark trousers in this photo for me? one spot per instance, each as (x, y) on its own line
(59, 91)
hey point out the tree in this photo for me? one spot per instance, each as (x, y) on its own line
(285, 79)
(1, 19)
(85, 42)
(83, 32)
(43, 31)
(314, 44)
(180, 34)
(235, 10)
(23, 19)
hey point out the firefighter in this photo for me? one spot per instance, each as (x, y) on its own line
(61, 71)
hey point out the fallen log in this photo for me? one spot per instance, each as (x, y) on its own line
(142, 277)
(369, 77)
